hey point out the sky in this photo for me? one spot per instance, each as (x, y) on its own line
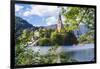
(37, 15)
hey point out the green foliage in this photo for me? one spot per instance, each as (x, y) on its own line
(52, 57)
(56, 38)
(23, 55)
(69, 38)
(30, 57)
(45, 33)
(26, 56)
(86, 38)
(76, 15)
(44, 42)
(63, 38)
(65, 57)
(41, 33)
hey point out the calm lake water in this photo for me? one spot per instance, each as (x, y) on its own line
(82, 52)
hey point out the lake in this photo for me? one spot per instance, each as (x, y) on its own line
(81, 52)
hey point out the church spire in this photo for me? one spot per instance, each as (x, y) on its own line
(59, 24)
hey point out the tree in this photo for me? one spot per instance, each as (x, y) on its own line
(23, 55)
(56, 38)
(44, 42)
(76, 15)
(45, 33)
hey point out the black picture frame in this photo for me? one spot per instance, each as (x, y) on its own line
(12, 51)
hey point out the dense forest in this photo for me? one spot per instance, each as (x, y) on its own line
(67, 34)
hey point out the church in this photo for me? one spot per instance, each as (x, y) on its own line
(59, 24)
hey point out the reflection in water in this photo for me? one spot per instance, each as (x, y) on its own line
(83, 55)
(79, 53)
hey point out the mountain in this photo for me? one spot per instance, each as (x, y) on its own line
(20, 25)
(82, 30)
(50, 26)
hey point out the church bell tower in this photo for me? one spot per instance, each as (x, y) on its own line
(59, 24)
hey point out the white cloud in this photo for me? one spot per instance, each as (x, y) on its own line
(18, 8)
(41, 10)
(51, 20)
(26, 13)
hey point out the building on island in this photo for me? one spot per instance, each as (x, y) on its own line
(59, 24)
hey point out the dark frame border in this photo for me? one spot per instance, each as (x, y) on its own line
(12, 33)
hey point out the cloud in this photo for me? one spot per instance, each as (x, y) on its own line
(51, 20)
(27, 13)
(41, 10)
(18, 8)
